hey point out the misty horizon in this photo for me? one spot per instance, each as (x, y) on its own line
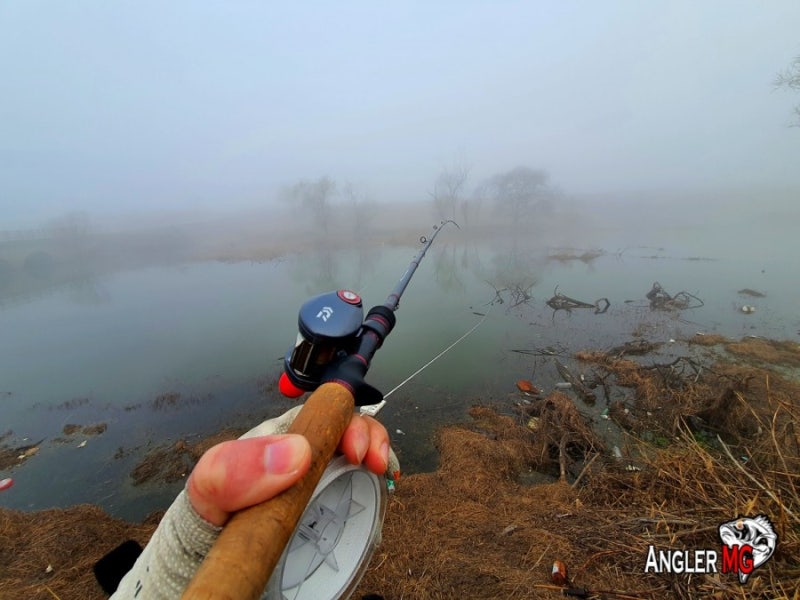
(120, 110)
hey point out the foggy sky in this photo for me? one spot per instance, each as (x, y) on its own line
(111, 106)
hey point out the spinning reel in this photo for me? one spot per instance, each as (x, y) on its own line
(335, 343)
(330, 549)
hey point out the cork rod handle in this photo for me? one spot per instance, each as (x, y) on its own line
(240, 563)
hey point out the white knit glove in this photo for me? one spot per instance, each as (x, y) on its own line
(183, 538)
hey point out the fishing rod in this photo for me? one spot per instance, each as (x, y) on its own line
(335, 504)
(336, 343)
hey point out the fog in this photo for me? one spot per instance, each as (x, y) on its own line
(177, 179)
(128, 109)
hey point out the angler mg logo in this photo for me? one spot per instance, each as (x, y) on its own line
(747, 543)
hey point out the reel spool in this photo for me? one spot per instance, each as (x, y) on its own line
(330, 549)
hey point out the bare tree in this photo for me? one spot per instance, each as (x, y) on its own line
(789, 79)
(315, 198)
(363, 208)
(447, 193)
(520, 191)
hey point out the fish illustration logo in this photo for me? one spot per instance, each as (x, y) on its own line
(747, 543)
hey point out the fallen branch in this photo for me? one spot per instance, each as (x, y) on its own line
(584, 470)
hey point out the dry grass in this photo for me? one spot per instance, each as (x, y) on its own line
(737, 453)
(472, 529)
(69, 541)
(752, 349)
(767, 351)
(685, 491)
(708, 339)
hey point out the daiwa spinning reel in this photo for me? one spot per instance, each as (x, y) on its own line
(335, 343)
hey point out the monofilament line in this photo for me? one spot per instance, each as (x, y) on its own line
(374, 409)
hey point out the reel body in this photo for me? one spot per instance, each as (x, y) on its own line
(329, 551)
(328, 326)
(335, 343)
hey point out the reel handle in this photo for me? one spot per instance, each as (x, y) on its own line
(240, 562)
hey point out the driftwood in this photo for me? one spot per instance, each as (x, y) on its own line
(520, 293)
(661, 300)
(577, 384)
(561, 302)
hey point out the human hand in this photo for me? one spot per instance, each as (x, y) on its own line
(240, 473)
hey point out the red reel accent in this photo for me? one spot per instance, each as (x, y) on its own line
(289, 389)
(349, 296)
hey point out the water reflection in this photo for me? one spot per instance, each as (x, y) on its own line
(88, 291)
(511, 265)
(324, 267)
(448, 267)
(515, 271)
(69, 254)
(168, 329)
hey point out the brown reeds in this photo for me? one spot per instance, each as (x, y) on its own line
(685, 491)
(733, 450)
(470, 530)
(562, 437)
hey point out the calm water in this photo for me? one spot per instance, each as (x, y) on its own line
(214, 333)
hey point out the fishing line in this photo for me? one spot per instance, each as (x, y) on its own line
(374, 409)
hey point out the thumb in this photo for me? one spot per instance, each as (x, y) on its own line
(240, 473)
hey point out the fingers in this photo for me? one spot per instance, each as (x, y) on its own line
(237, 474)
(366, 440)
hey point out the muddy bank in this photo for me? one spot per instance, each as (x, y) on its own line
(515, 492)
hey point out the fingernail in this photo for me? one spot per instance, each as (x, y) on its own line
(362, 445)
(285, 455)
(385, 454)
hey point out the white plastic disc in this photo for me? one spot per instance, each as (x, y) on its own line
(335, 538)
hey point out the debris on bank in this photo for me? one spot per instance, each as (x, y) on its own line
(526, 387)
(10, 456)
(576, 383)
